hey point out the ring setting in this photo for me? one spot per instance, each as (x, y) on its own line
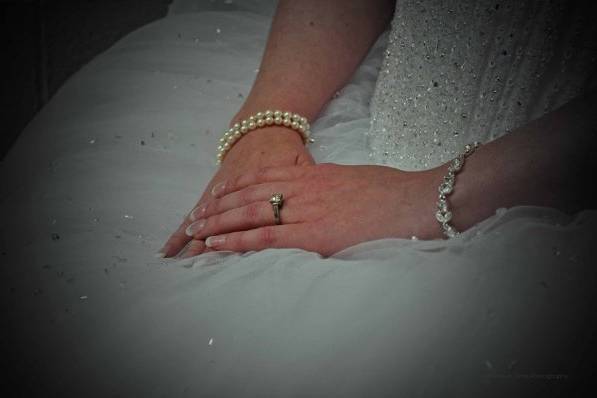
(277, 200)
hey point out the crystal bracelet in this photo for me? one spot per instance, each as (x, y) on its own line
(263, 119)
(443, 214)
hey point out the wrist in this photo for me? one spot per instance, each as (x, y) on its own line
(271, 136)
(457, 206)
(260, 103)
(271, 146)
(282, 121)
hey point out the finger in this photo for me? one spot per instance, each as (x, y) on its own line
(253, 215)
(266, 174)
(243, 197)
(277, 236)
(194, 248)
(177, 241)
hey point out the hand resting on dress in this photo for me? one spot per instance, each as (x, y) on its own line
(327, 207)
(272, 146)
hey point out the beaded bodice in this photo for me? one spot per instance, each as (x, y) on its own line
(456, 71)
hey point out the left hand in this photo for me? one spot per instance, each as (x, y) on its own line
(327, 207)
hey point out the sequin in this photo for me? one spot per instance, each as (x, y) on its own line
(471, 72)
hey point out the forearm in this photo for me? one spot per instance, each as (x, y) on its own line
(549, 162)
(312, 50)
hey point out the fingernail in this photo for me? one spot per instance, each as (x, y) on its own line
(194, 227)
(197, 212)
(215, 240)
(162, 252)
(218, 188)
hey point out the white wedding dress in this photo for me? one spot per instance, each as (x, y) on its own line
(107, 170)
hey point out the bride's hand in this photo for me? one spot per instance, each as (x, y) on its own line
(327, 207)
(273, 146)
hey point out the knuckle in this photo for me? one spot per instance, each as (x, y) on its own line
(210, 224)
(245, 195)
(209, 208)
(251, 211)
(262, 173)
(267, 236)
(233, 183)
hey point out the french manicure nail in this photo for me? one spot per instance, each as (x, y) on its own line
(162, 252)
(218, 188)
(197, 212)
(215, 240)
(194, 227)
(191, 214)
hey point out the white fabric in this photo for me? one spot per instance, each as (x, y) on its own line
(458, 71)
(108, 168)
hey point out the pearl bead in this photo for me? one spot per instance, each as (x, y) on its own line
(261, 119)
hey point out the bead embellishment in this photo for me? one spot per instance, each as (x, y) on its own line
(457, 71)
(443, 214)
(263, 119)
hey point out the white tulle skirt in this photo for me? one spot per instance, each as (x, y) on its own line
(107, 170)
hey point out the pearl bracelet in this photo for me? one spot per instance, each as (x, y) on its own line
(263, 119)
(443, 214)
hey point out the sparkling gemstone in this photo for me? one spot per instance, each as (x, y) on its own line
(276, 199)
(445, 188)
(443, 217)
(450, 231)
(456, 164)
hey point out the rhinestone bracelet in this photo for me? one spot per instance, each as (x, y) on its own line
(263, 119)
(443, 214)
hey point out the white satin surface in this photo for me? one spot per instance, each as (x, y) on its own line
(108, 169)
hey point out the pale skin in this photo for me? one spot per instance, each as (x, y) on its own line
(330, 207)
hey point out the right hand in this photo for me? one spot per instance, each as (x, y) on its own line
(266, 147)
